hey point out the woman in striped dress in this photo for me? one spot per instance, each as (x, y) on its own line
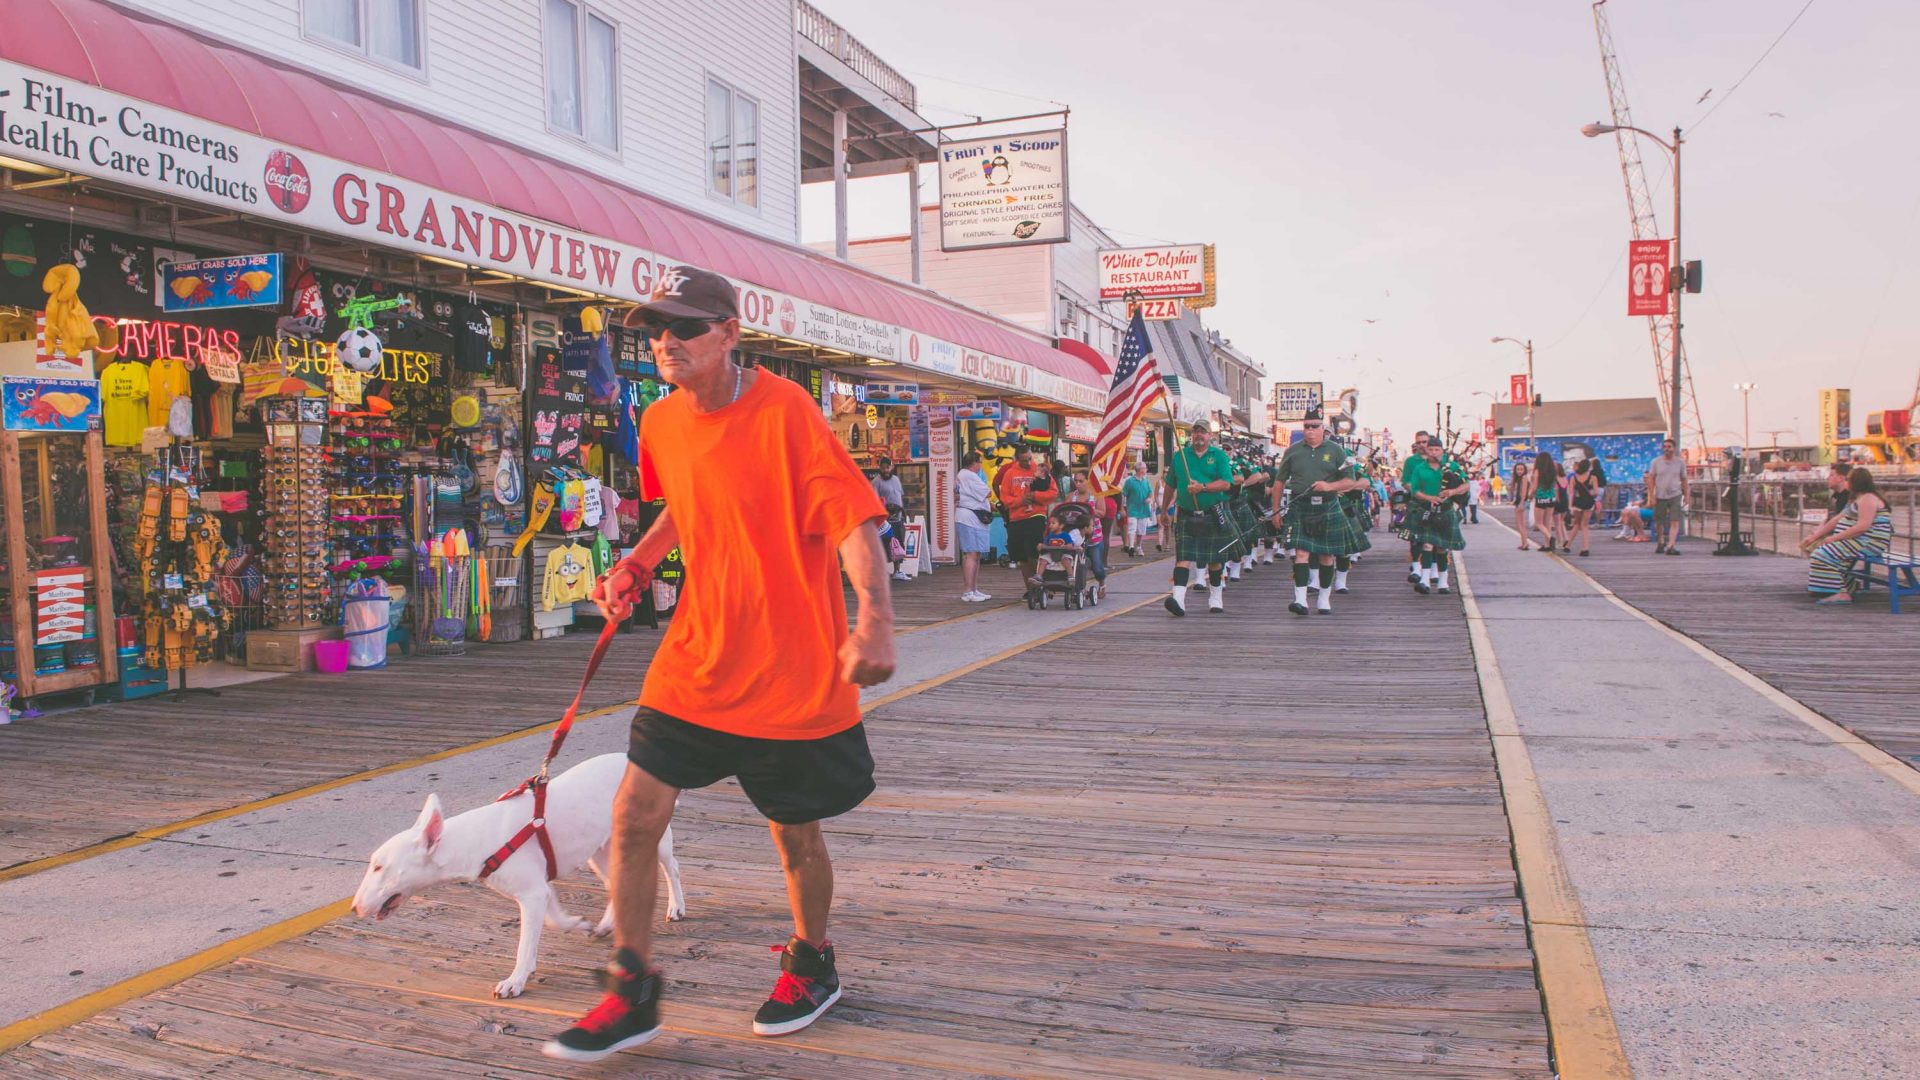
(1864, 527)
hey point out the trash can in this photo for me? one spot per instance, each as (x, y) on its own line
(365, 620)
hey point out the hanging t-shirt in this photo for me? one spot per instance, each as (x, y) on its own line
(220, 411)
(610, 514)
(590, 503)
(166, 380)
(123, 402)
(569, 576)
(472, 338)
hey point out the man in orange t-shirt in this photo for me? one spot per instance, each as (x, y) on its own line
(1026, 509)
(758, 677)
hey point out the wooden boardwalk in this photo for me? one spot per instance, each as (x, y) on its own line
(1858, 666)
(164, 762)
(1147, 849)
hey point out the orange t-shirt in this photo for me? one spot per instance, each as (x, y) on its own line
(1014, 483)
(762, 495)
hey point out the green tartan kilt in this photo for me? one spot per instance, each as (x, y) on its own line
(1327, 529)
(1197, 539)
(1248, 522)
(1439, 526)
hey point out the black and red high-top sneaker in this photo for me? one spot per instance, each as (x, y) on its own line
(628, 1016)
(808, 986)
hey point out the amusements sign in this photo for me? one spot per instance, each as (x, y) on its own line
(1004, 191)
(558, 402)
(1291, 400)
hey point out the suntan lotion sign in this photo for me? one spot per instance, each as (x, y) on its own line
(1004, 191)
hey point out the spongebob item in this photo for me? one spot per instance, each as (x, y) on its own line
(569, 576)
(70, 327)
(543, 498)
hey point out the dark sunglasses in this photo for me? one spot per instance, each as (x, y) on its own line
(684, 329)
(1311, 427)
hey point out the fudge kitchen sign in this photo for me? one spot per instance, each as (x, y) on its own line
(74, 126)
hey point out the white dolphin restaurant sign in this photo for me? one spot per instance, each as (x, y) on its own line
(65, 124)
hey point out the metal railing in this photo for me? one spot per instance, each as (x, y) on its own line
(1781, 513)
(814, 25)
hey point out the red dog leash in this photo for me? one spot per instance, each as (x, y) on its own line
(621, 579)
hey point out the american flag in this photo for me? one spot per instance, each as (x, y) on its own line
(1136, 386)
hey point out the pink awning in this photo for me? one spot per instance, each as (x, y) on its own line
(1088, 353)
(91, 41)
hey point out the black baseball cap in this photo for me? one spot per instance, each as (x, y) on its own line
(688, 292)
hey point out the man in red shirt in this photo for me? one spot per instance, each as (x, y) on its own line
(757, 677)
(1026, 509)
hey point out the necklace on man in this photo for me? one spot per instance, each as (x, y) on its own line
(738, 371)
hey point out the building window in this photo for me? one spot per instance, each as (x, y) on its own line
(733, 144)
(583, 74)
(383, 30)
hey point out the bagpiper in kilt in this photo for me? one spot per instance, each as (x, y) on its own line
(1433, 521)
(1314, 473)
(1199, 478)
(1246, 524)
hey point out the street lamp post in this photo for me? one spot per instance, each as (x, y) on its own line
(1676, 276)
(1527, 345)
(1746, 411)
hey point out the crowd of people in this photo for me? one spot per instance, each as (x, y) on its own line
(1225, 511)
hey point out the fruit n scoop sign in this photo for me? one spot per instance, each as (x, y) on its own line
(1004, 191)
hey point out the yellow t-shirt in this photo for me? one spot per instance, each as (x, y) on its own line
(123, 402)
(166, 380)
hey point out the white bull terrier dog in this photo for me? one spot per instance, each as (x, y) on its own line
(437, 850)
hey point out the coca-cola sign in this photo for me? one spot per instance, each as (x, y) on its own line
(288, 185)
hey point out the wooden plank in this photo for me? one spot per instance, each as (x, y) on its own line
(1855, 666)
(1147, 849)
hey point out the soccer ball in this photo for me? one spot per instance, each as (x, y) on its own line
(359, 349)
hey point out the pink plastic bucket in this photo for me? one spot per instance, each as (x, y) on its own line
(330, 657)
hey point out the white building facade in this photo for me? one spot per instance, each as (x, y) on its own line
(694, 103)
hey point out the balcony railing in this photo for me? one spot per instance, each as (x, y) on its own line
(831, 36)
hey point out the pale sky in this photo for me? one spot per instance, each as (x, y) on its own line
(1420, 163)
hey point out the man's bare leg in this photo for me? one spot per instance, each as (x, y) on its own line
(641, 813)
(803, 855)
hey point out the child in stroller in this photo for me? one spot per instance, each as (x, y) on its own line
(1064, 568)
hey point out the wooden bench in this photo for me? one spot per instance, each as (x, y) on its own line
(1903, 575)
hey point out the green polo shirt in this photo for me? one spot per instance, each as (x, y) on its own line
(1421, 476)
(1303, 466)
(1189, 467)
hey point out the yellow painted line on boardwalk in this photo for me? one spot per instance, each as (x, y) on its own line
(1877, 759)
(1585, 1040)
(148, 835)
(148, 982)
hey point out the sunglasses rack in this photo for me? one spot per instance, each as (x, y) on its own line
(299, 546)
(366, 499)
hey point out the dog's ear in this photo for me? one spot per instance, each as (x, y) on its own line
(431, 822)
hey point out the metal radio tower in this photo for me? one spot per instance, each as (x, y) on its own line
(1645, 227)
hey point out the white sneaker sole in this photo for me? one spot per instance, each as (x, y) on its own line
(561, 1052)
(788, 1027)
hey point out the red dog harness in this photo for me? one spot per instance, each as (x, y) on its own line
(537, 827)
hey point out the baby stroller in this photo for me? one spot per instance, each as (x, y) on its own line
(1063, 568)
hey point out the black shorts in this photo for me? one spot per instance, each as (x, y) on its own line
(1024, 536)
(790, 781)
